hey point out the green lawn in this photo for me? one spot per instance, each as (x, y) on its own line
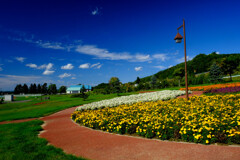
(38, 108)
(20, 141)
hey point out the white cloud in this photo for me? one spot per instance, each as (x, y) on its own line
(84, 66)
(138, 68)
(73, 78)
(217, 52)
(95, 11)
(68, 66)
(47, 72)
(51, 45)
(141, 58)
(161, 57)
(31, 65)
(20, 59)
(1, 69)
(170, 66)
(102, 53)
(105, 54)
(64, 75)
(99, 66)
(49, 66)
(96, 66)
(160, 67)
(46, 66)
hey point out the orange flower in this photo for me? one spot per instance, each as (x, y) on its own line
(210, 87)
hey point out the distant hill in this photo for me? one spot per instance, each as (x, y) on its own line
(199, 64)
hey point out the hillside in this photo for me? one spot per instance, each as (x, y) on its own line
(199, 64)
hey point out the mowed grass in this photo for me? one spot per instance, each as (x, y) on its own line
(37, 108)
(20, 141)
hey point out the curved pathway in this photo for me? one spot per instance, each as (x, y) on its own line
(62, 132)
(18, 120)
(194, 93)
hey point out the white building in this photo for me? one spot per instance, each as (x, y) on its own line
(77, 88)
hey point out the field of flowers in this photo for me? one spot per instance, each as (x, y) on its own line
(215, 86)
(201, 119)
(143, 97)
(225, 90)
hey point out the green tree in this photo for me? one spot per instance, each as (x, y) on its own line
(25, 89)
(31, 89)
(138, 80)
(153, 81)
(179, 74)
(83, 93)
(52, 89)
(18, 89)
(215, 73)
(62, 89)
(114, 83)
(39, 88)
(44, 89)
(228, 65)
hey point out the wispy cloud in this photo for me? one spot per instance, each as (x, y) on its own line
(84, 66)
(64, 75)
(138, 68)
(73, 78)
(31, 65)
(160, 56)
(51, 45)
(141, 58)
(92, 50)
(95, 11)
(48, 68)
(69, 66)
(105, 54)
(160, 67)
(20, 59)
(47, 72)
(1, 68)
(99, 66)
(96, 66)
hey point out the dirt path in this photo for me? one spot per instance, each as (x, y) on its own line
(62, 132)
(18, 121)
(194, 93)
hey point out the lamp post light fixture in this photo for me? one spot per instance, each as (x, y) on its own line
(178, 39)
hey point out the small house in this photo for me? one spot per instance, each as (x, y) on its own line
(77, 88)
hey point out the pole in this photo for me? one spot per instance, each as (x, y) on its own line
(185, 52)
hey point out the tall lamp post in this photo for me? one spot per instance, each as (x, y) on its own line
(178, 39)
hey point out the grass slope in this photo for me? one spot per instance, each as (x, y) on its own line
(20, 142)
(38, 108)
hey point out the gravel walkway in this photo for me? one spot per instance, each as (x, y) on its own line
(62, 132)
(194, 93)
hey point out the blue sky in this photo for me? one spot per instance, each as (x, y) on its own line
(68, 42)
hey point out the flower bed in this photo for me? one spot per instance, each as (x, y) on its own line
(215, 86)
(202, 119)
(144, 97)
(225, 90)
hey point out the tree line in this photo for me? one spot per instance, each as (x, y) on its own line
(39, 89)
(229, 64)
(201, 70)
